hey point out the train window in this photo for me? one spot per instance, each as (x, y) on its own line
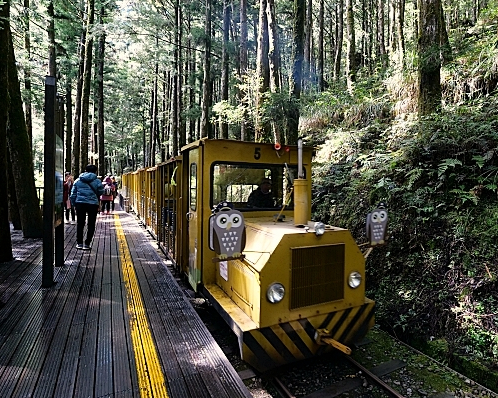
(193, 187)
(235, 182)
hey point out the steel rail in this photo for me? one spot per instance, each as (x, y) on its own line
(392, 392)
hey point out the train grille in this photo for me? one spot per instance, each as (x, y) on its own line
(317, 275)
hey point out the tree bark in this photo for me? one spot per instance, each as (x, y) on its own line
(87, 79)
(20, 156)
(52, 67)
(401, 31)
(262, 67)
(351, 48)
(446, 53)
(380, 34)
(243, 65)
(274, 62)
(308, 46)
(297, 71)
(206, 130)
(429, 72)
(75, 165)
(224, 64)
(273, 47)
(27, 74)
(6, 252)
(14, 215)
(320, 71)
(69, 125)
(182, 139)
(100, 95)
(340, 35)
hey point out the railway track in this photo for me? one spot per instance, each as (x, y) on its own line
(349, 384)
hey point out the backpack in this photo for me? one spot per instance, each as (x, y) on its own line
(108, 190)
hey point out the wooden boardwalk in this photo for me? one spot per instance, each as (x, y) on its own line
(115, 324)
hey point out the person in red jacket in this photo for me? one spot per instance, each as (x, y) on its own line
(68, 184)
(108, 197)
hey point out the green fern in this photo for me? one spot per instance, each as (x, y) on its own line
(413, 176)
(445, 164)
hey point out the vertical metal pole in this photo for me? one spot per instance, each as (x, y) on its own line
(59, 168)
(49, 184)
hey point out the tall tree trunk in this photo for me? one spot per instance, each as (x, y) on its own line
(174, 106)
(273, 47)
(224, 63)
(308, 33)
(446, 53)
(351, 48)
(340, 35)
(87, 79)
(297, 70)
(182, 139)
(100, 95)
(262, 67)
(27, 73)
(164, 141)
(392, 26)
(192, 91)
(243, 65)
(69, 125)
(321, 16)
(174, 125)
(6, 252)
(206, 85)
(401, 31)
(274, 61)
(75, 160)
(380, 34)
(20, 156)
(14, 214)
(429, 71)
(51, 41)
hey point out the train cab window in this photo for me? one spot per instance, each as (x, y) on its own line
(193, 187)
(235, 182)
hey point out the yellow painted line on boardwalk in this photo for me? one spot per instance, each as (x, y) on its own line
(150, 376)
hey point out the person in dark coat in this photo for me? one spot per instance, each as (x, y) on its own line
(261, 196)
(85, 195)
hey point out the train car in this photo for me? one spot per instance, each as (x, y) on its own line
(284, 284)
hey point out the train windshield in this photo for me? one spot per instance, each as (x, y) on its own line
(253, 186)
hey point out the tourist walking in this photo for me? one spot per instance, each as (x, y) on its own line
(108, 196)
(85, 196)
(68, 208)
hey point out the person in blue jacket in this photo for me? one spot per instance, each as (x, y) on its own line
(85, 196)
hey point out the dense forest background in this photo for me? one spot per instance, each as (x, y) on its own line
(398, 97)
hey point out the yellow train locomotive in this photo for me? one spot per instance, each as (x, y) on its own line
(281, 282)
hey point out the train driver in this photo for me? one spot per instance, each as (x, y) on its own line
(261, 197)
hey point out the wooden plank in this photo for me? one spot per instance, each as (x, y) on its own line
(122, 352)
(57, 326)
(69, 365)
(104, 368)
(85, 378)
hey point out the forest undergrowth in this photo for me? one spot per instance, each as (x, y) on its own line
(435, 281)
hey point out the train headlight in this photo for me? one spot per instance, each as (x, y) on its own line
(319, 228)
(275, 293)
(354, 279)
